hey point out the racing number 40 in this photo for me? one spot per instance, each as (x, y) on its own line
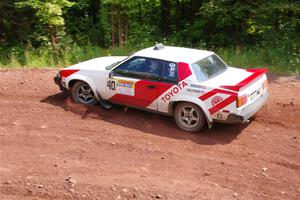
(111, 84)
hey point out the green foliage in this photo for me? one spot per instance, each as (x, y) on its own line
(46, 57)
(49, 12)
(234, 22)
(62, 32)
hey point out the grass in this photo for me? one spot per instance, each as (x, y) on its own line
(277, 60)
(45, 57)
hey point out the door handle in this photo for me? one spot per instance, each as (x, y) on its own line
(151, 86)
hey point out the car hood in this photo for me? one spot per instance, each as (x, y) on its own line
(97, 63)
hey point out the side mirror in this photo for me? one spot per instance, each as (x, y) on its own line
(111, 74)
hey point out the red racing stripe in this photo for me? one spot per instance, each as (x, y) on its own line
(184, 71)
(254, 70)
(215, 91)
(256, 73)
(67, 72)
(222, 104)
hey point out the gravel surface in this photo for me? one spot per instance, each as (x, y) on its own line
(51, 148)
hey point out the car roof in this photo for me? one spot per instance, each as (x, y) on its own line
(174, 54)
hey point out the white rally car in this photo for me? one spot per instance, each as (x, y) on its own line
(193, 86)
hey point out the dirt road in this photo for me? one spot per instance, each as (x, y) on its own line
(51, 148)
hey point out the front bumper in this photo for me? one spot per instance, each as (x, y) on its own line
(57, 81)
(244, 115)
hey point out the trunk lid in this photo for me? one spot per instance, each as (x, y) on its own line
(230, 77)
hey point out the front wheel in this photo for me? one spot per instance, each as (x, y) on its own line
(82, 93)
(189, 117)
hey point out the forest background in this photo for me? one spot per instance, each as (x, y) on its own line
(57, 33)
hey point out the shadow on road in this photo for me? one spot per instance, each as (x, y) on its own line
(150, 123)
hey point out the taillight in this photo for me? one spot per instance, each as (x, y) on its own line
(242, 100)
(67, 72)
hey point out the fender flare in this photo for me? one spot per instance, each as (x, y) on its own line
(194, 100)
(83, 78)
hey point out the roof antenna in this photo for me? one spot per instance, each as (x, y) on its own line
(158, 46)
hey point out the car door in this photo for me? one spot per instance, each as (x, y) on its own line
(135, 82)
(167, 87)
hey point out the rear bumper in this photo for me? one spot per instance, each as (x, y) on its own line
(57, 81)
(247, 112)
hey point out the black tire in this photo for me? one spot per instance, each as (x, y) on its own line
(82, 93)
(195, 118)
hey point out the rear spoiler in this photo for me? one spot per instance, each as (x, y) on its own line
(256, 73)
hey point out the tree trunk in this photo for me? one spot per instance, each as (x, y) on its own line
(177, 15)
(112, 25)
(126, 29)
(165, 16)
(54, 41)
(52, 33)
(140, 12)
(195, 5)
(120, 27)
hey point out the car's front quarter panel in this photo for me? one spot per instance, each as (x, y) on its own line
(91, 71)
(94, 78)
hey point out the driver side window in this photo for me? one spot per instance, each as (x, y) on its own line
(139, 67)
(132, 64)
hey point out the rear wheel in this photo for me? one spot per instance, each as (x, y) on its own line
(82, 93)
(189, 117)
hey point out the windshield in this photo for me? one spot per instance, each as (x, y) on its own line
(208, 67)
(109, 67)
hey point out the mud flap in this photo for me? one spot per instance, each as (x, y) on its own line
(105, 104)
(209, 124)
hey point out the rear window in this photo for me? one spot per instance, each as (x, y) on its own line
(208, 67)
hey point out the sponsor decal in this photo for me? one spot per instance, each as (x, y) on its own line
(198, 86)
(172, 69)
(170, 93)
(215, 100)
(125, 87)
(222, 104)
(125, 83)
(172, 66)
(195, 90)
